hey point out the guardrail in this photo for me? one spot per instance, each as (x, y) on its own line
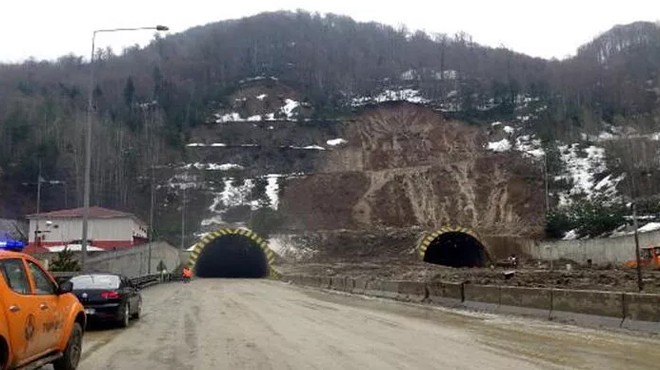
(141, 281)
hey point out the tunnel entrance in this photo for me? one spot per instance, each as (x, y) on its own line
(232, 256)
(456, 249)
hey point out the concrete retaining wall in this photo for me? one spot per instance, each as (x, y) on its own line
(601, 251)
(483, 297)
(135, 262)
(586, 307)
(526, 301)
(593, 307)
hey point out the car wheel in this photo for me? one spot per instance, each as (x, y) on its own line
(138, 311)
(125, 317)
(71, 356)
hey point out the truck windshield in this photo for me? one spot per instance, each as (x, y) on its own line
(95, 282)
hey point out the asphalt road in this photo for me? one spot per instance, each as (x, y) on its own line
(260, 324)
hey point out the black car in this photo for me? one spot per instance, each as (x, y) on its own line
(108, 297)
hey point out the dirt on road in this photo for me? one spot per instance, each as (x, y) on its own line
(259, 324)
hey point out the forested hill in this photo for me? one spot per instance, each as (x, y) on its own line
(148, 99)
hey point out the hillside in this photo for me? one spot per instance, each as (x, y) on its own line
(275, 87)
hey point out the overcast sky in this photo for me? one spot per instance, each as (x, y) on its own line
(46, 29)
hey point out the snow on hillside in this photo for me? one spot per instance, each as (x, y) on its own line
(272, 191)
(409, 95)
(234, 194)
(529, 146)
(582, 167)
(213, 166)
(336, 142)
(503, 145)
(287, 112)
(308, 147)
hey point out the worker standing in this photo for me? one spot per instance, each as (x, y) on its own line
(187, 274)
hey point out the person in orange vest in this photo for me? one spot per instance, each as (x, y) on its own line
(187, 274)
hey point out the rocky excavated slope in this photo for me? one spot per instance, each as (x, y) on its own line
(368, 184)
(405, 165)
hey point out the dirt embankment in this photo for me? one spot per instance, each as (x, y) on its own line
(530, 275)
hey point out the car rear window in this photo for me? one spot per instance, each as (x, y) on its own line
(95, 282)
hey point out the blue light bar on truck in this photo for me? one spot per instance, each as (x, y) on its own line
(12, 245)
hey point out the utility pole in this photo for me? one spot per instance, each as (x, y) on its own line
(151, 219)
(183, 217)
(545, 176)
(640, 282)
(36, 230)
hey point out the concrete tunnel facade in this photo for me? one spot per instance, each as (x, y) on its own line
(232, 253)
(454, 247)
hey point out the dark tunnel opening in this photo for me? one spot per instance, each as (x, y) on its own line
(232, 256)
(456, 249)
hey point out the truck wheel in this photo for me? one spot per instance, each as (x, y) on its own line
(4, 353)
(71, 355)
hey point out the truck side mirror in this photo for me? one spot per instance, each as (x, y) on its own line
(65, 287)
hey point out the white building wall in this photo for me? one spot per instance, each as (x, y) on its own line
(68, 229)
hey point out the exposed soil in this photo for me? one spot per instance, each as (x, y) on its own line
(531, 274)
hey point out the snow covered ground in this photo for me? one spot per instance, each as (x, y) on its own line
(582, 166)
(287, 112)
(409, 95)
(213, 166)
(503, 145)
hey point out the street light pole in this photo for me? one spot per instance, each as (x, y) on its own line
(183, 218)
(151, 219)
(88, 136)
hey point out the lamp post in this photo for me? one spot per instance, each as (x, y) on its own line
(88, 136)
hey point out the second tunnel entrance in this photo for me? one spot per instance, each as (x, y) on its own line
(456, 249)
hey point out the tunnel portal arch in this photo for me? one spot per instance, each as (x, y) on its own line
(246, 235)
(453, 246)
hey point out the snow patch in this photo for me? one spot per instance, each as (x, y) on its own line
(308, 147)
(570, 235)
(288, 110)
(529, 146)
(500, 146)
(581, 168)
(508, 129)
(335, 142)
(494, 124)
(213, 166)
(289, 106)
(272, 190)
(409, 95)
(262, 96)
(651, 226)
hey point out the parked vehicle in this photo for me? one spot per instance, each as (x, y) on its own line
(108, 297)
(41, 322)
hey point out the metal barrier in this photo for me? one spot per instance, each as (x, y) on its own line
(140, 282)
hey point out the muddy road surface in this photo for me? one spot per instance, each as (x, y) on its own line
(260, 324)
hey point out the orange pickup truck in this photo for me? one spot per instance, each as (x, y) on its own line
(40, 322)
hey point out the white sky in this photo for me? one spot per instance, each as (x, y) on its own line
(46, 29)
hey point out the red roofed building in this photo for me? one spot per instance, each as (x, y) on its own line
(108, 229)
